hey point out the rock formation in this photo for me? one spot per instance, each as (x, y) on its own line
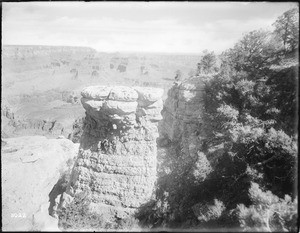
(183, 114)
(31, 166)
(122, 68)
(182, 158)
(117, 156)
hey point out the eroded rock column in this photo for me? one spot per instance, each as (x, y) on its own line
(117, 155)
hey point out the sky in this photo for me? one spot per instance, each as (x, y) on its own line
(164, 27)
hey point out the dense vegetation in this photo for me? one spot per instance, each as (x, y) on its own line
(251, 117)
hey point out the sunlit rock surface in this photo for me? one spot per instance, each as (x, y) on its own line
(31, 166)
(117, 156)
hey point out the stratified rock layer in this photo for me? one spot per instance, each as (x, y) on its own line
(117, 155)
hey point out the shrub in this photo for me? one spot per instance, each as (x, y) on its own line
(208, 63)
(78, 127)
(287, 29)
(77, 216)
(155, 213)
(268, 212)
(201, 168)
(207, 212)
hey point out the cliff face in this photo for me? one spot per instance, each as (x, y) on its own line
(117, 155)
(183, 115)
(182, 161)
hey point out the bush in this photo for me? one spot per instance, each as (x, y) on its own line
(201, 168)
(155, 213)
(268, 212)
(77, 216)
(78, 127)
(207, 212)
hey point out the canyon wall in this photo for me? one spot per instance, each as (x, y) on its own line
(32, 51)
(53, 121)
(117, 158)
(17, 59)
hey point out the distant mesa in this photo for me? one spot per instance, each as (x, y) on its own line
(74, 73)
(23, 52)
(64, 62)
(122, 68)
(55, 64)
(77, 63)
(96, 67)
(95, 74)
(144, 70)
(154, 66)
(119, 62)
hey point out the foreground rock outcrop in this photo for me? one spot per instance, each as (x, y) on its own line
(31, 166)
(117, 156)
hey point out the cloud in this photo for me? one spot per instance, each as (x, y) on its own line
(155, 27)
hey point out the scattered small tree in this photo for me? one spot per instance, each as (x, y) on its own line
(77, 216)
(253, 54)
(287, 29)
(208, 63)
(268, 212)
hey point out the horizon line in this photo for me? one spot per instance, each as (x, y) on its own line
(100, 51)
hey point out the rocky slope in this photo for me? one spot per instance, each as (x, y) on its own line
(31, 166)
(117, 157)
